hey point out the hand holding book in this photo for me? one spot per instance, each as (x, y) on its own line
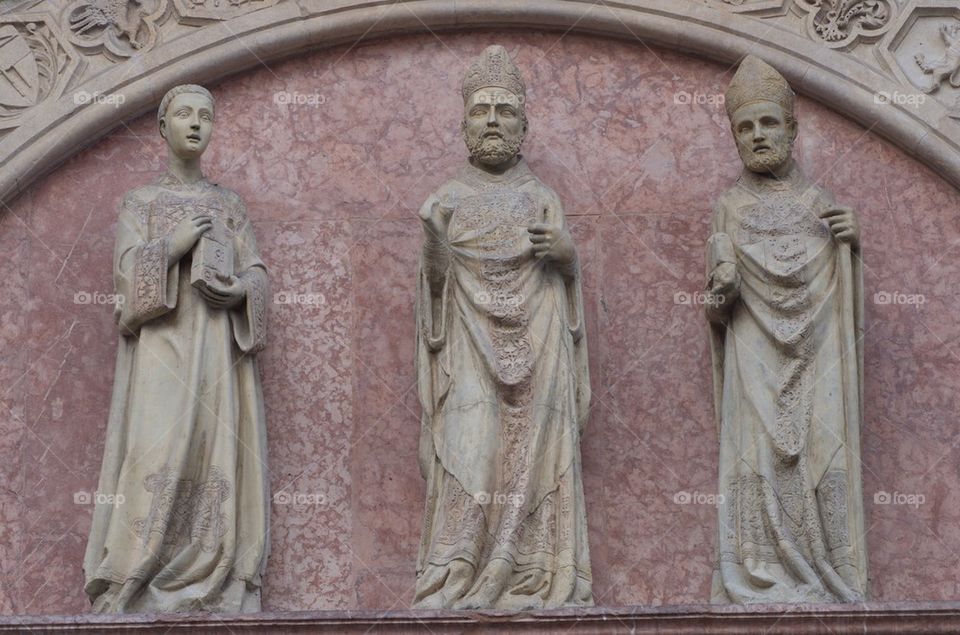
(185, 236)
(211, 271)
(223, 292)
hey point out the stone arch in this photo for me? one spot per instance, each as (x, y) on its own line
(205, 49)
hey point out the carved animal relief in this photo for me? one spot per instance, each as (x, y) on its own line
(121, 28)
(840, 23)
(947, 66)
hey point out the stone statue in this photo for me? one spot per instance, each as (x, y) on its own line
(502, 370)
(785, 311)
(182, 515)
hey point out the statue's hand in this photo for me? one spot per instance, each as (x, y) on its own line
(724, 284)
(224, 292)
(436, 219)
(843, 223)
(552, 242)
(186, 234)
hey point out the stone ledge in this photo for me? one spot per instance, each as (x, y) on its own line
(770, 619)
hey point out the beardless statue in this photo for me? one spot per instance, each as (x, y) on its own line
(185, 453)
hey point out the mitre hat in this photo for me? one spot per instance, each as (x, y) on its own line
(493, 67)
(754, 81)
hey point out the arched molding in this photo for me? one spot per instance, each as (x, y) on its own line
(57, 128)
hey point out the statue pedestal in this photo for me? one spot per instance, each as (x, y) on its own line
(690, 619)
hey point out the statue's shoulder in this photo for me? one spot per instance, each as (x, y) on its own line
(227, 194)
(545, 190)
(231, 200)
(734, 196)
(451, 186)
(138, 197)
(818, 194)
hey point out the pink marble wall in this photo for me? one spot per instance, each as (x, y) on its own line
(333, 188)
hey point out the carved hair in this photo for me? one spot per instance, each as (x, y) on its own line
(181, 90)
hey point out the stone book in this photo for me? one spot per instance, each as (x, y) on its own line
(212, 256)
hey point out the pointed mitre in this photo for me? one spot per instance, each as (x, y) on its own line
(754, 81)
(493, 67)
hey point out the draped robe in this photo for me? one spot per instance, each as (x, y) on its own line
(184, 462)
(502, 371)
(787, 375)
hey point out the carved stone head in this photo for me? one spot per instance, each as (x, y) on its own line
(760, 105)
(185, 118)
(494, 120)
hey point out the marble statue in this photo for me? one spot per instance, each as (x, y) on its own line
(785, 310)
(184, 516)
(502, 369)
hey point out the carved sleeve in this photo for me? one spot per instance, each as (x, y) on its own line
(434, 284)
(142, 276)
(432, 310)
(249, 319)
(719, 250)
(554, 215)
(435, 254)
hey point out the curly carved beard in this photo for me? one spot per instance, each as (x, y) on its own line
(494, 150)
(766, 163)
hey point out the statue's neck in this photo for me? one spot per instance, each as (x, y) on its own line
(782, 176)
(499, 169)
(783, 171)
(186, 171)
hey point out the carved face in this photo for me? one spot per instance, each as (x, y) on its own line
(764, 136)
(493, 125)
(188, 125)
